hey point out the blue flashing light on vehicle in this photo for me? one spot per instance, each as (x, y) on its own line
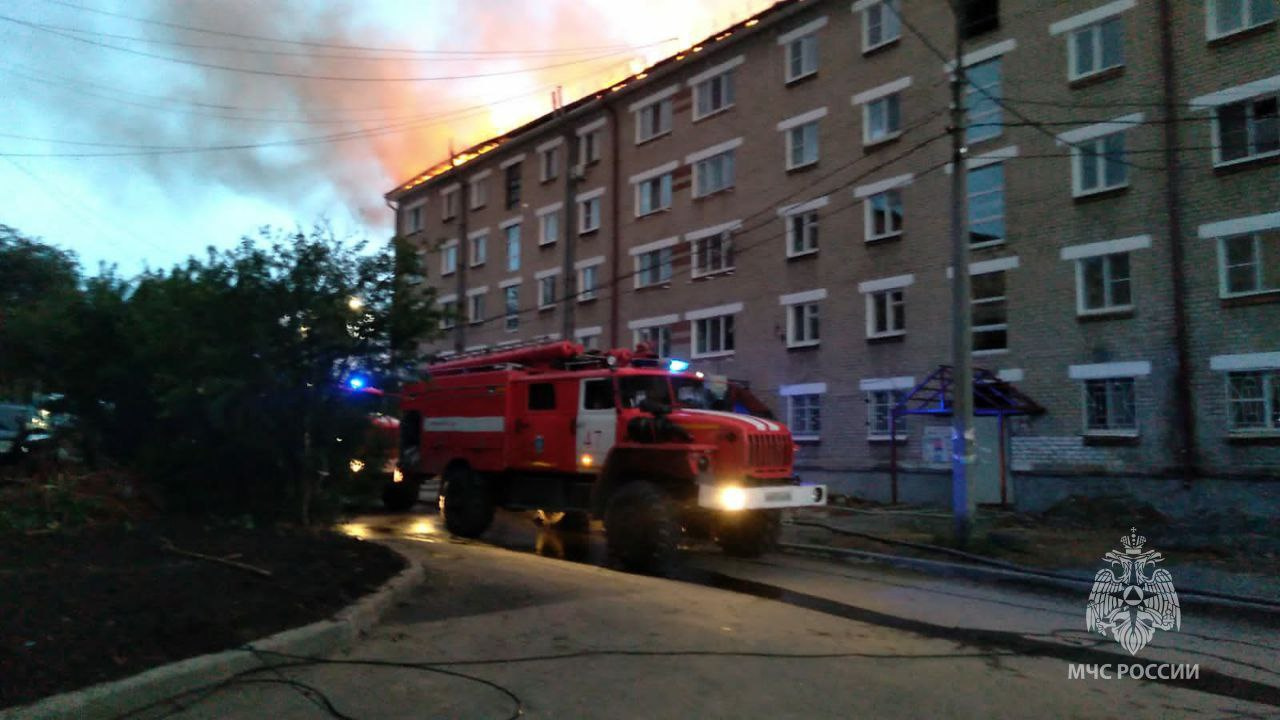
(678, 365)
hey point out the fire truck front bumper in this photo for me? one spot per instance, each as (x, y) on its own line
(766, 497)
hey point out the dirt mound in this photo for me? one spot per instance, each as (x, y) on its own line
(1120, 512)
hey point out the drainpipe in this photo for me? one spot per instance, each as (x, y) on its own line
(1181, 387)
(572, 174)
(615, 205)
(460, 324)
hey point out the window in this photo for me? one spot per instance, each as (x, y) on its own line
(1253, 400)
(450, 203)
(449, 258)
(886, 313)
(1245, 130)
(1249, 264)
(884, 215)
(414, 218)
(802, 325)
(713, 336)
(712, 254)
(589, 147)
(653, 195)
(880, 405)
(978, 16)
(597, 394)
(476, 310)
(590, 340)
(1095, 48)
(588, 283)
(804, 416)
(546, 292)
(1102, 284)
(542, 396)
(448, 313)
(653, 268)
(479, 249)
(653, 120)
(713, 174)
(549, 164)
(713, 95)
(511, 305)
(986, 205)
(658, 339)
(802, 145)
(880, 24)
(549, 227)
(1109, 406)
(513, 247)
(990, 314)
(1232, 16)
(588, 215)
(479, 192)
(1100, 164)
(981, 101)
(512, 176)
(802, 233)
(802, 57)
(882, 119)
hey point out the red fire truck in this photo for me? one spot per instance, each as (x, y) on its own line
(616, 435)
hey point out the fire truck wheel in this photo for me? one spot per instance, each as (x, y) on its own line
(641, 528)
(399, 497)
(467, 507)
(749, 534)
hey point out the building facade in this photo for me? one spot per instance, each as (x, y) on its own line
(773, 205)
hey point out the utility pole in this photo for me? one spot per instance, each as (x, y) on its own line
(570, 232)
(961, 307)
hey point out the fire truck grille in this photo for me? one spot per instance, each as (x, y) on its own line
(769, 451)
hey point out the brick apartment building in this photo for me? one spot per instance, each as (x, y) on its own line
(772, 204)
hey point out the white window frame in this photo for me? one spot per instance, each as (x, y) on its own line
(802, 40)
(547, 300)
(891, 388)
(548, 164)
(415, 217)
(662, 104)
(511, 319)
(803, 312)
(868, 99)
(549, 213)
(1257, 257)
(1222, 231)
(989, 130)
(813, 392)
(722, 74)
(662, 324)
(589, 219)
(994, 327)
(1249, 22)
(662, 175)
(588, 269)
(889, 21)
(658, 337)
(478, 190)
(589, 337)
(725, 233)
(475, 297)
(1097, 152)
(1097, 53)
(805, 227)
(1108, 372)
(589, 143)
(479, 238)
(506, 227)
(1004, 203)
(1251, 131)
(887, 189)
(659, 249)
(722, 327)
(886, 288)
(450, 201)
(449, 258)
(448, 305)
(1109, 306)
(1267, 363)
(1079, 254)
(797, 129)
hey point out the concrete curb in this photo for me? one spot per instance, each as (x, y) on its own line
(110, 700)
(1265, 612)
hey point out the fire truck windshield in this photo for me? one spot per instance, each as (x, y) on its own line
(635, 389)
(691, 393)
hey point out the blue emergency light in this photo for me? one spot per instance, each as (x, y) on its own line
(356, 382)
(678, 365)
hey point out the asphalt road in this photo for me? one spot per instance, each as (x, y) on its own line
(521, 629)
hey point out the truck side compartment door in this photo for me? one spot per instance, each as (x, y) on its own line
(597, 423)
(541, 429)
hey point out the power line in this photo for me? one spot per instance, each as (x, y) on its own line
(303, 76)
(304, 43)
(459, 56)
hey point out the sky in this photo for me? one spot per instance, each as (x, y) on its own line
(137, 133)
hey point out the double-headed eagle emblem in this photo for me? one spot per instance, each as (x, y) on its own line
(1132, 598)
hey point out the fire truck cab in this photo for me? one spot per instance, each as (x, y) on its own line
(613, 435)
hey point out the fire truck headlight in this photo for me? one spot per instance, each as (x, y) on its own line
(586, 460)
(733, 498)
(397, 476)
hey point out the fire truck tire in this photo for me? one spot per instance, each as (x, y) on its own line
(467, 507)
(749, 534)
(401, 496)
(641, 528)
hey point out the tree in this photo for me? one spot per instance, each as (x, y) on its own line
(38, 284)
